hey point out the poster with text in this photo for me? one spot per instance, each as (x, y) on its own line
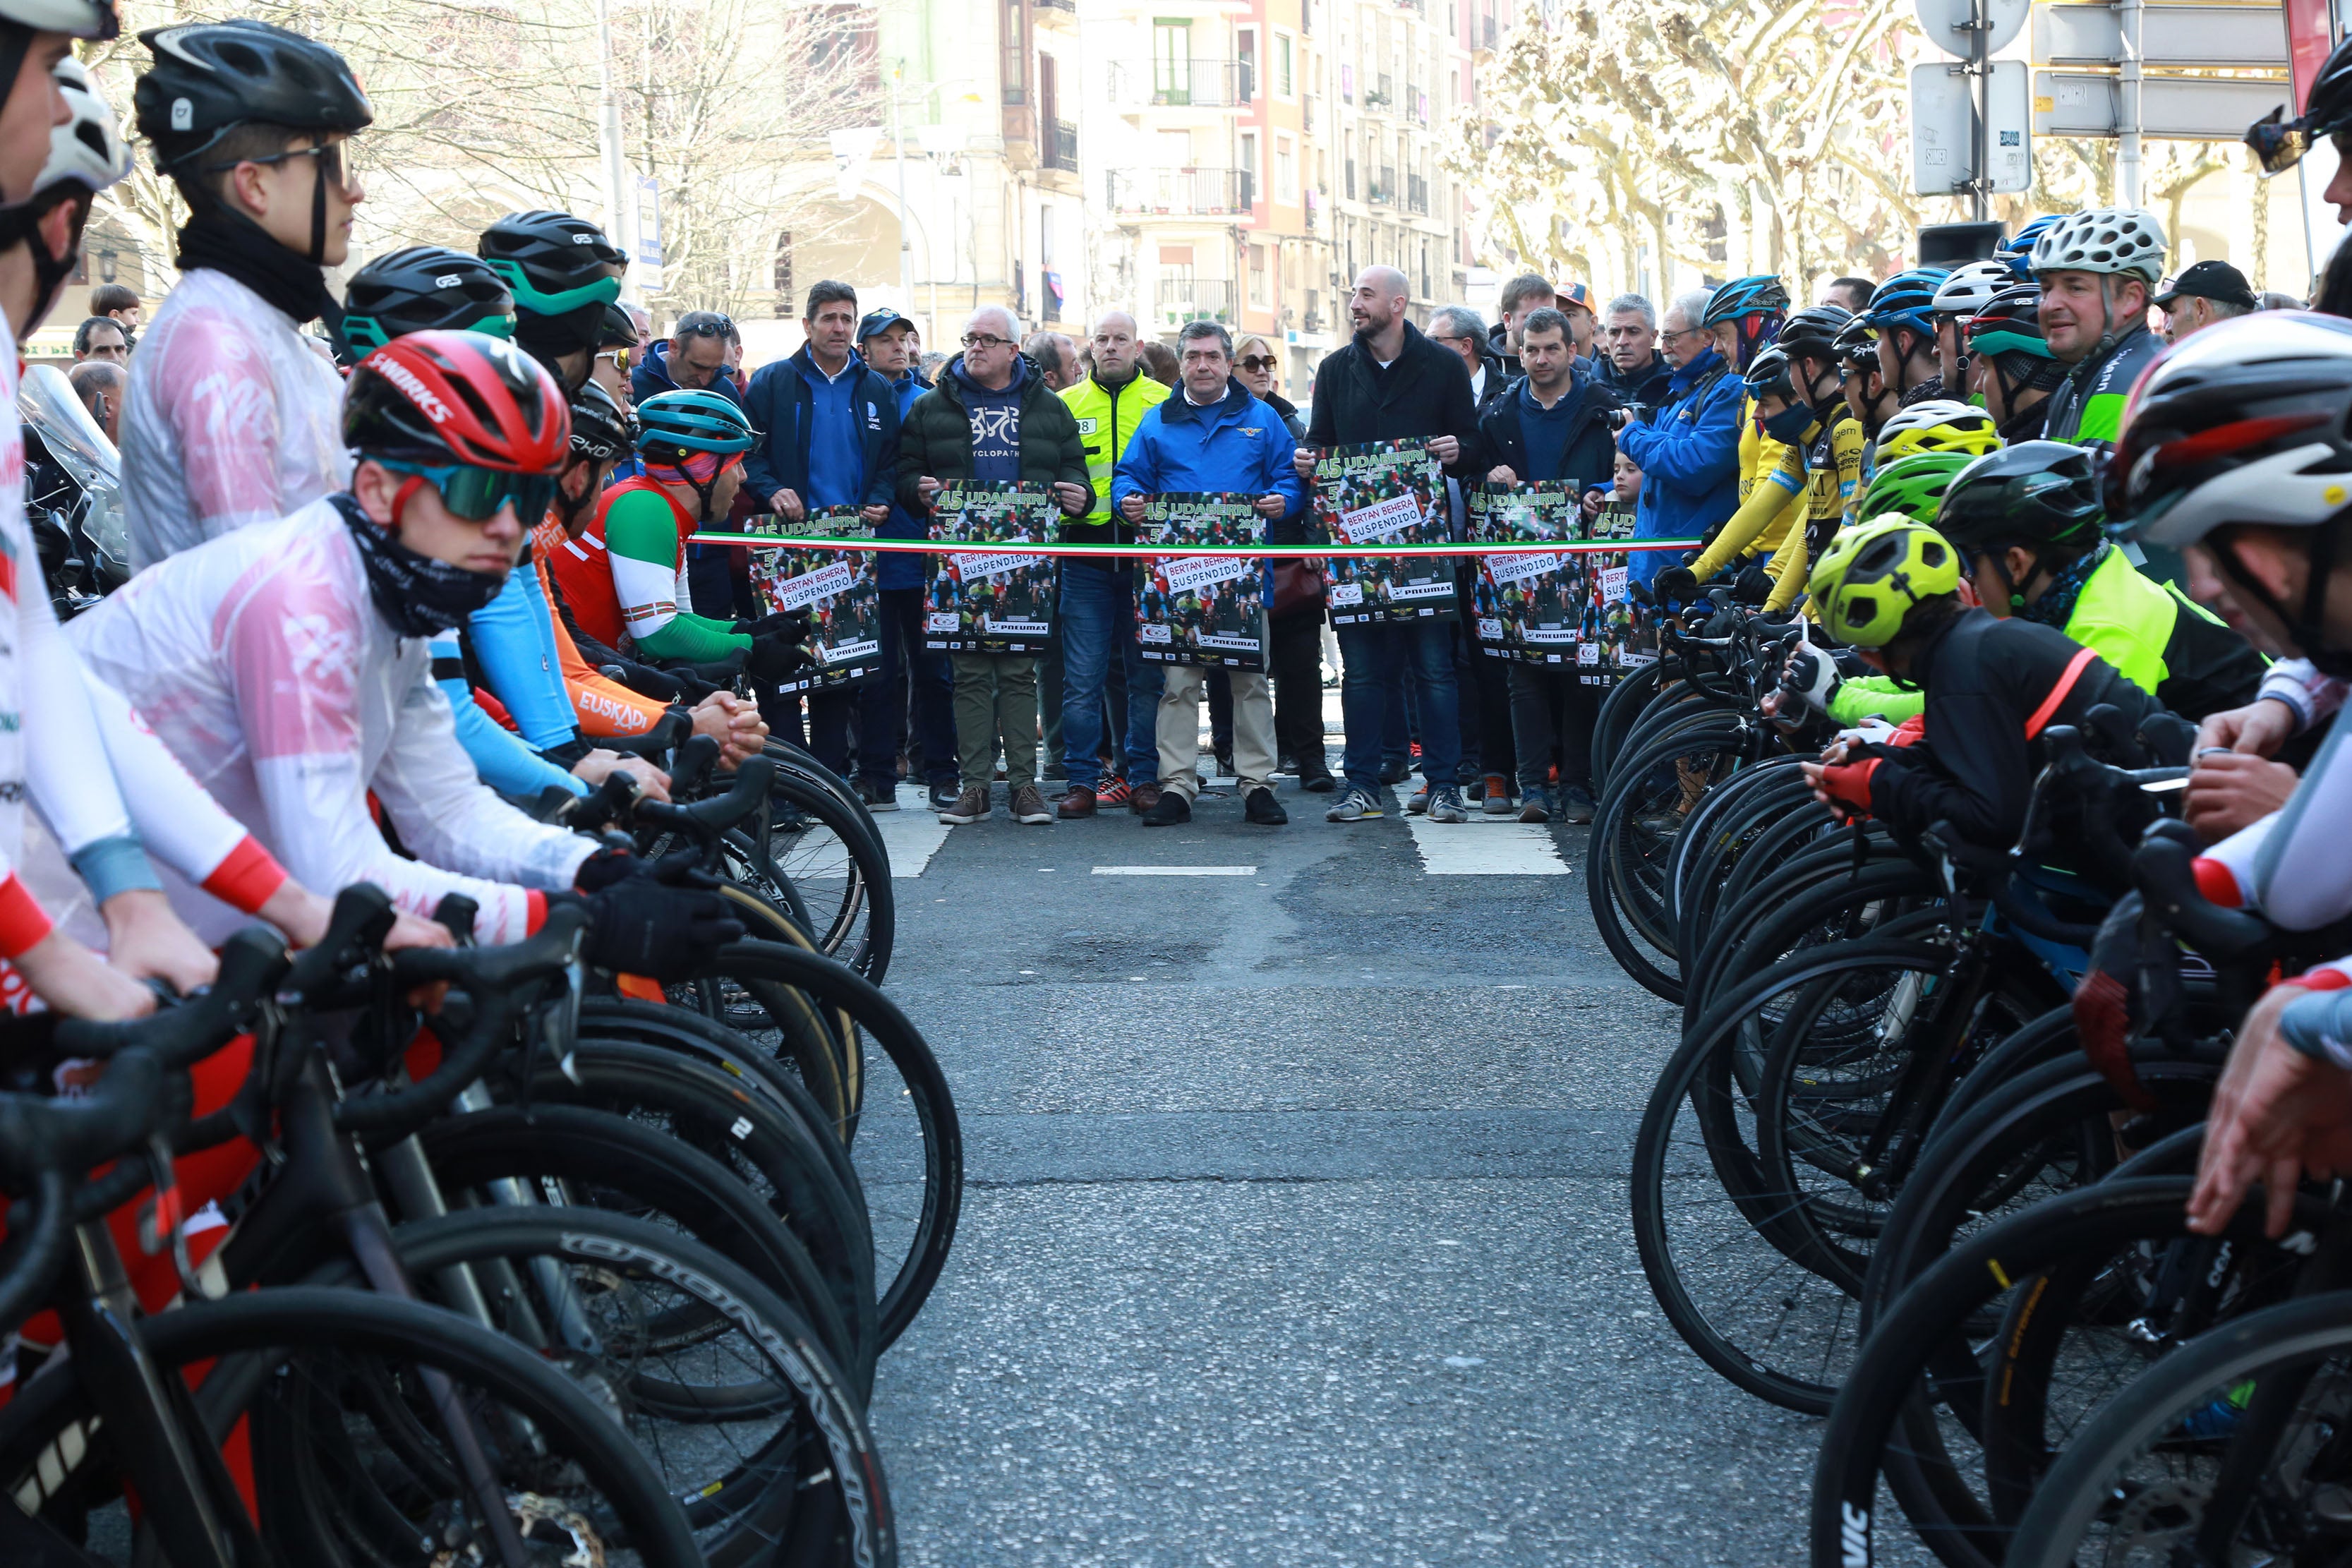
(1384, 492)
(1625, 633)
(836, 589)
(1201, 609)
(1529, 607)
(990, 602)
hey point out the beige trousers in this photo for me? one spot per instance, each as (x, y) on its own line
(1177, 727)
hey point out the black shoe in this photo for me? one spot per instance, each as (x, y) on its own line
(1168, 810)
(1318, 784)
(1225, 764)
(1261, 808)
(943, 796)
(1395, 773)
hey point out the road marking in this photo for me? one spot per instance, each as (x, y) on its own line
(1505, 849)
(912, 834)
(1175, 870)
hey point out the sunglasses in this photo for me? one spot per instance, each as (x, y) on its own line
(1255, 362)
(479, 495)
(704, 324)
(2278, 142)
(621, 358)
(330, 157)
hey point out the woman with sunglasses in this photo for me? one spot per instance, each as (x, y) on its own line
(232, 414)
(288, 666)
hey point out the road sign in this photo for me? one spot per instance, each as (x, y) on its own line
(1949, 24)
(2169, 36)
(1943, 130)
(2086, 103)
(648, 270)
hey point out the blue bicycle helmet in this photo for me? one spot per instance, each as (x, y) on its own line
(2016, 252)
(1907, 299)
(1761, 294)
(696, 421)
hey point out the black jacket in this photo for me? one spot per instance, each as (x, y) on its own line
(1499, 348)
(1498, 381)
(1590, 455)
(1988, 683)
(1425, 393)
(1647, 385)
(1289, 412)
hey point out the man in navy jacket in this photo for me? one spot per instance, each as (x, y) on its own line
(829, 438)
(1212, 435)
(1689, 451)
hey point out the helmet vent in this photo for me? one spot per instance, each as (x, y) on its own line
(240, 58)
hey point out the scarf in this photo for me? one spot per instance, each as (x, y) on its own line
(2056, 605)
(232, 243)
(417, 596)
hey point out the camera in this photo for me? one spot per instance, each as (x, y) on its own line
(1630, 414)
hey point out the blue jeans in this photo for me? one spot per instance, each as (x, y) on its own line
(1378, 661)
(1098, 615)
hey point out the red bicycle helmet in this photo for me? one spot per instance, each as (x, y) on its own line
(438, 398)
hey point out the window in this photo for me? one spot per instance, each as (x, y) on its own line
(1285, 84)
(1249, 155)
(1171, 60)
(1246, 56)
(1258, 295)
(1285, 170)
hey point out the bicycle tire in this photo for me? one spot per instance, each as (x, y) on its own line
(1609, 877)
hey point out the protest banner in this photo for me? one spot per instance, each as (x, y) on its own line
(990, 601)
(1383, 492)
(836, 588)
(1201, 609)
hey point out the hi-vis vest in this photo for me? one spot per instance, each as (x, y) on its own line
(1107, 419)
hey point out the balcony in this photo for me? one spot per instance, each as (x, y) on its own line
(1055, 12)
(1179, 84)
(1062, 146)
(1382, 93)
(1180, 193)
(1417, 195)
(1184, 300)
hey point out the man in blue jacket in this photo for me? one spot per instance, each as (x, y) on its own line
(1689, 451)
(887, 341)
(1212, 435)
(831, 439)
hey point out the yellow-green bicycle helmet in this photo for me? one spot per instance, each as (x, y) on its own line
(1872, 577)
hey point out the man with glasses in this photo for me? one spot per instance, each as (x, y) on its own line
(1688, 448)
(887, 341)
(693, 359)
(1099, 596)
(829, 437)
(233, 413)
(1630, 366)
(1458, 328)
(991, 420)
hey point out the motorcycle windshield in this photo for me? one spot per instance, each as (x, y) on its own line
(47, 403)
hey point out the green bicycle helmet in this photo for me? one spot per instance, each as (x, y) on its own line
(693, 421)
(2036, 495)
(1874, 576)
(1913, 486)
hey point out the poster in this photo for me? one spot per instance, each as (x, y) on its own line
(1384, 492)
(1543, 607)
(836, 587)
(1624, 632)
(990, 602)
(1201, 609)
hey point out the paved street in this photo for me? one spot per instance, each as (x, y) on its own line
(1297, 1225)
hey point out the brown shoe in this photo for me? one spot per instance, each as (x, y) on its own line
(1079, 802)
(971, 806)
(1142, 798)
(1029, 806)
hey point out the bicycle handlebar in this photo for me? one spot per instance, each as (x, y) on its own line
(714, 817)
(2163, 869)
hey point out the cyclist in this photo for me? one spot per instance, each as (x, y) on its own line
(1866, 396)
(231, 416)
(2016, 252)
(562, 273)
(2011, 371)
(2096, 270)
(1902, 313)
(1964, 291)
(627, 579)
(2280, 144)
(1890, 588)
(1743, 316)
(1798, 506)
(288, 664)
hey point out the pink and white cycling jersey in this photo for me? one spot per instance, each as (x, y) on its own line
(232, 418)
(265, 669)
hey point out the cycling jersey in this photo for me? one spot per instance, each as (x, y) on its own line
(2087, 409)
(505, 762)
(2159, 641)
(513, 640)
(232, 417)
(275, 681)
(600, 705)
(625, 576)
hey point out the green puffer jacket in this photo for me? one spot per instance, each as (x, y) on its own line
(935, 439)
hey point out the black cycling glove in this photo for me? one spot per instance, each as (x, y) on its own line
(662, 921)
(791, 624)
(775, 659)
(1676, 585)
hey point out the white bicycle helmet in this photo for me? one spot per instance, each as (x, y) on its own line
(81, 19)
(88, 149)
(2128, 241)
(1966, 289)
(1926, 414)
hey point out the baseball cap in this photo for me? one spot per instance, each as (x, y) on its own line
(2210, 280)
(1575, 294)
(877, 322)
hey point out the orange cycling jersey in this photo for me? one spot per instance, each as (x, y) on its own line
(604, 706)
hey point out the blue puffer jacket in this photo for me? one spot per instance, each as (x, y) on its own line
(1239, 446)
(1689, 457)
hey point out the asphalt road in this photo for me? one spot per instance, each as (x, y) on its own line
(1296, 1230)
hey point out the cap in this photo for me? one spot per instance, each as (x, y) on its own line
(1575, 294)
(877, 322)
(2210, 280)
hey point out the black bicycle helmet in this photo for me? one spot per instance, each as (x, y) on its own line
(1769, 375)
(423, 287)
(554, 263)
(1813, 331)
(211, 77)
(2280, 144)
(618, 330)
(2036, 495)
(601, 429)
(1856, 345)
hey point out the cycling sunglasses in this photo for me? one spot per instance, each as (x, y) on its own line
(477, 494)
(2277, 143)
(621, 358)
(330, 162)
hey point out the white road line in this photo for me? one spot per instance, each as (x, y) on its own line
(1505, 848)
(1175, 870)
(912, 834)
